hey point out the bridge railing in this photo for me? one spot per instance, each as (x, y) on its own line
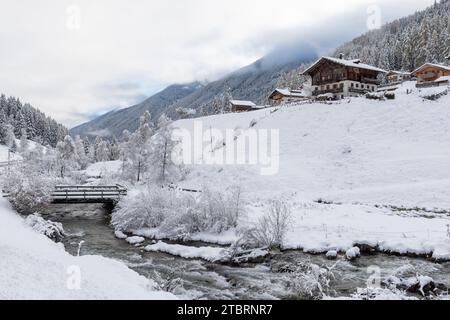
(88, 193)
(4, 164)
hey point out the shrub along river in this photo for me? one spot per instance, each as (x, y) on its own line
(287, 275)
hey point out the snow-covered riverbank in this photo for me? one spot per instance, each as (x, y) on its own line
(33, 267)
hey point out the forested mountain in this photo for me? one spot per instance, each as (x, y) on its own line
(254, 82)
(113, 123)
(406, 43)
(18, 120)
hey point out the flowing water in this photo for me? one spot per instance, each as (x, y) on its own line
(197, 279)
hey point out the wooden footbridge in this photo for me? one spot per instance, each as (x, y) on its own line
(88, 194)
(6, 164)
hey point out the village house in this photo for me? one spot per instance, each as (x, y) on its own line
(394, 77)
(282, 96)
(243, 106)
(338, 78)
(432, 75)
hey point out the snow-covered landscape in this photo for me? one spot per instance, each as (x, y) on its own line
(331, 184)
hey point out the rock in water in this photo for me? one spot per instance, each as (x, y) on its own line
(352, 253)
(332, 255)
(135, 240)
(120, 235)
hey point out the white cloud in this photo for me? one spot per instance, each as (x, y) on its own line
(118, 51)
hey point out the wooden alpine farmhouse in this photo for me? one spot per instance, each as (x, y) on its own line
(432, 75)
(337, 78)
(243, 106)
(281, 96)
(395, 77)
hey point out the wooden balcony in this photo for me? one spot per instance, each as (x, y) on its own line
(319, 92)
(370, 80)
(356, 90)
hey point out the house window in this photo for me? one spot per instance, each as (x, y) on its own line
(328, 87)
(352, 85)
(335, 86)
(357, 85)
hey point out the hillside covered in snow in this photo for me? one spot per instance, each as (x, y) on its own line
(356, 171)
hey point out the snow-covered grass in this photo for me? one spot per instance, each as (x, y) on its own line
(101, 169)
(33, 267)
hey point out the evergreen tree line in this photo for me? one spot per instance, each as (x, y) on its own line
(19, 120)
(407, 43)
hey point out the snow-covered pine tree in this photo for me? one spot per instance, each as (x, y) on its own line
(38, 126)
(24, 141)
(407, 43)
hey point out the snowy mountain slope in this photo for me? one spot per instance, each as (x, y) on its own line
(113, 123)
(390, 152)
(253, 82)
(372, 163)
(33, 267)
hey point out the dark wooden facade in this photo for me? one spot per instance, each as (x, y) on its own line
(342, 77)
(327, 72)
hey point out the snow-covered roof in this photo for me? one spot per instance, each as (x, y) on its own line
(404, 73)
(289, 93)
(347, 63)
(243, 103)
(443, 79)
(440, 66)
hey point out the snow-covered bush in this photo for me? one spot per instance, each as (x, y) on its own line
(375, 96)
(29, 192)
(310, 281)
(389, 95)
(179, 214)
(50, 229)
(210, 211)
(144, 209)
(270, 230)
(220, 212)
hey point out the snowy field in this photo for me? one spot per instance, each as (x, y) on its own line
(380, 168)
(33, 267)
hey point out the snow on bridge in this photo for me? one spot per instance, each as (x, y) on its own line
(88, 194)
(5, 164)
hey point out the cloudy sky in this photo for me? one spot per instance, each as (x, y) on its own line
(75, 59)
